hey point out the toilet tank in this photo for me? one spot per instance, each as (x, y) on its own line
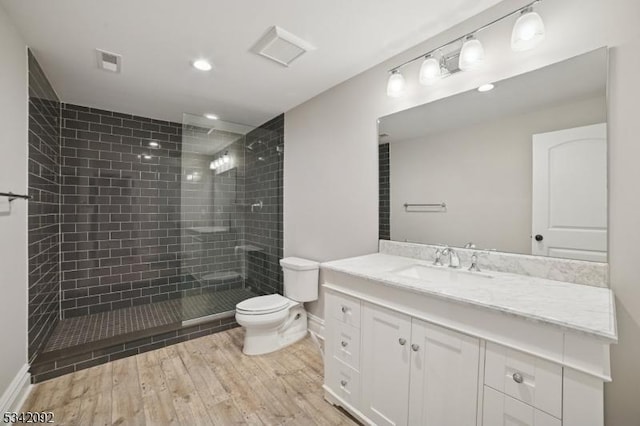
(300, 279)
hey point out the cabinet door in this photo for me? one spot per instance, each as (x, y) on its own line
(385, 365)
(444, 376)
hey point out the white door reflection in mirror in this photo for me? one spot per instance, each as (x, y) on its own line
(569, 217)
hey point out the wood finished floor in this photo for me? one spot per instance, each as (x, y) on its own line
(205, 381)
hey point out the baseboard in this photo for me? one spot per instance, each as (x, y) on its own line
(316, 326)
(14, 397)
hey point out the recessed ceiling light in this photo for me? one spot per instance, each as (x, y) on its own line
(211, 116)
(202, 65)
(486, 87)
(153, 144)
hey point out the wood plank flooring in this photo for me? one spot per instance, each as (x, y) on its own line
(205, 381)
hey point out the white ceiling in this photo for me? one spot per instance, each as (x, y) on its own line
(581, 77)
(159, 38)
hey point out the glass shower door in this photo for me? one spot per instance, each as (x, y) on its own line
(213, 211)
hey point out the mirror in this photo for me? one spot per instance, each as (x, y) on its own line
(521, 168)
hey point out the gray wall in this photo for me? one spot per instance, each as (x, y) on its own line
(331, 171)
(483, 172)
(13, 222)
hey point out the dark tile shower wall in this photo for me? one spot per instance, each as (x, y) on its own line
(263, 227)
(120, 210)
(384, 192)
(44, 215)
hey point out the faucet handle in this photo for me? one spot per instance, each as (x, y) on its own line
(474, 263)
(437, 261)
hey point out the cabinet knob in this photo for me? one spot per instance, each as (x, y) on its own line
(343, 383)
(344, 309)
(415, 347)
(344, 344)
(517, 377)
(402, 341)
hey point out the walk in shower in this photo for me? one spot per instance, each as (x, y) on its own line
(152, 231)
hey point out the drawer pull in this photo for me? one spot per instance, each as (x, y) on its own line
(402, 341)
(343, 383)
(517, 377)
(344, 309)
(415, 347)
(344, 344)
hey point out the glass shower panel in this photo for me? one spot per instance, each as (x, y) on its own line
(213, 215)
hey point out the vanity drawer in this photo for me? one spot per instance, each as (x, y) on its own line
(344, 381)
(344, 308)
(502, 410)
(532, 380)
(346, 344)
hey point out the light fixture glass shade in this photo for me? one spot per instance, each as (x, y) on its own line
(430, 71)
(528, 31)
(471, 55)
(213, 165)
(395, 85)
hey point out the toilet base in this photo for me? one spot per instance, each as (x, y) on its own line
(260, 341)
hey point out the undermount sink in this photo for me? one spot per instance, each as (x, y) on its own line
(437, 274)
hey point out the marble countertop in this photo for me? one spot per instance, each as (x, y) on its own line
(574, 307)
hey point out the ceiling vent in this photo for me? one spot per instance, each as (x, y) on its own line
(281, 46)
(109, 61)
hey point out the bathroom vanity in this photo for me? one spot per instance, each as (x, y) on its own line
(408, 343)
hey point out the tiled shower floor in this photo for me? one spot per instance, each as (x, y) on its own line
(90, 328)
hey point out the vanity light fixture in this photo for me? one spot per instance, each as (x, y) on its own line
(486, 87)
(395, 85)
(528, 32)
(202, 65)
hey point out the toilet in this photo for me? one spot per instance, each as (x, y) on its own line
(272, 322)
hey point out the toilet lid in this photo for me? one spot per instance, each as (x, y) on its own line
(263, 304)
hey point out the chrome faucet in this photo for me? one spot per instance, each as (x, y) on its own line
(454, 260)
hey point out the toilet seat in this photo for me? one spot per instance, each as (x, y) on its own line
(262, 305)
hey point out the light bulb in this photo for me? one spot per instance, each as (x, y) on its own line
(225, 158)
(471, 55)
(395, 85)
(528, 31)
(430, 71)
(212, 165)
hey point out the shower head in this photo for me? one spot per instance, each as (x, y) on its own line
(256, 142)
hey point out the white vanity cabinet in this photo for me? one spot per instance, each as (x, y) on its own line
(412, 372)
(397, 357)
